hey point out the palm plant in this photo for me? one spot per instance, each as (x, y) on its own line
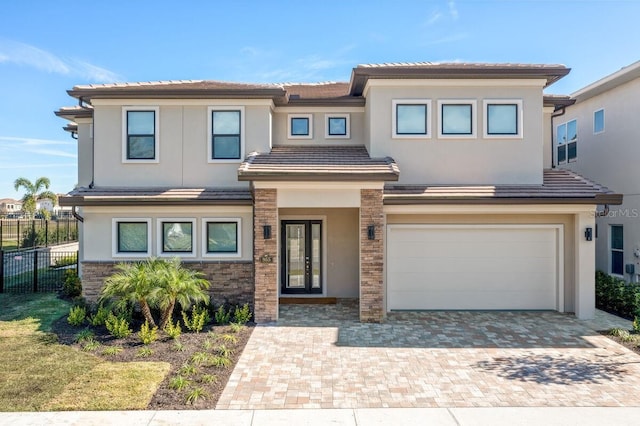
(34, 192)
(177, 284)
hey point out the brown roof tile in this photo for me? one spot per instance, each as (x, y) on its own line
(312, 163)
(155, 196)
(559, 186)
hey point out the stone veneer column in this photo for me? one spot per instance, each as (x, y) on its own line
(371, 256)
(265, 255)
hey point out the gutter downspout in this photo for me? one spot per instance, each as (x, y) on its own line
(76, 215)
(81, 102)
(553, 151)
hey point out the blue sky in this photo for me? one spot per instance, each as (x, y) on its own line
(47, 47)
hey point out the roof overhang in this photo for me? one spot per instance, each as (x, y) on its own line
(142, 92)
(155, 197)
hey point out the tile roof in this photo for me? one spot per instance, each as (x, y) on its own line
(559, 186)
(156, 196)
(312, 163)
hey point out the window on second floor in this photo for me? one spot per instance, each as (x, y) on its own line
(337, 126)
(411, 118)
(598, 121)
(567, 142)
(140, 135)
(502, 118)
(617, 249)
(226, 134)
(300, 126)
(457, 119)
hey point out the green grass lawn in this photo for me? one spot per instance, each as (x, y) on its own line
(40, 374)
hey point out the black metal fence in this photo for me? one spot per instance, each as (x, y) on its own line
(39, 270)
(16, 234)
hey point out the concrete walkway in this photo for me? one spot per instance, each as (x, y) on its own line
(348, 417)
(322, 357)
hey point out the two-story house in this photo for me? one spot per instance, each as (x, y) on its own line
(9, 206)
(412, 186)
(597, 137)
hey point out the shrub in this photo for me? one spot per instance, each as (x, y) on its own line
(90, 345)
(118, 327)
(77, 315)
(236, 327)
(222, 316)
(617, 296)
(173, 330)
(72, 286)
(199, 317)
(100, 316)
(84, 335)
(148, 334)
(636, 324)
(242, 315)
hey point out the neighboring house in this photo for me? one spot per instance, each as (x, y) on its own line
(44, 204)
(9, 206)
(412, 186)
(598, 136)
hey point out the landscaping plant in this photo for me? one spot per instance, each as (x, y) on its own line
(242, 315)
(196, 322)
(118, 327)
(222, 316)
(148, 334)
(77, 315)
(173, 330)
(72, 286)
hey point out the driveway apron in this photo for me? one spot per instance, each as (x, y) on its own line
(320, 356)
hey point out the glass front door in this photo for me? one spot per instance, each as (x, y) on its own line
(301, 256)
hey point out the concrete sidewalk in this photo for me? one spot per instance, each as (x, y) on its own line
(585, 416)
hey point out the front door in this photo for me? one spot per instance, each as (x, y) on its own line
(301, 256)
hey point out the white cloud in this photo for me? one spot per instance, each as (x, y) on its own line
(36, 166)
(45, 147)
(34, 141)
(31, 56)
(435, 17)
(453, 9)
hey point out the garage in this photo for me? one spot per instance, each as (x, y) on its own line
(474, 267)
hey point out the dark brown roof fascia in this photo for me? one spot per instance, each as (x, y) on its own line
(326, 102)
(82, 201)
(360, 75)
(70, 128)
(73, 114)
(532, 200)
(185, 93)
(316, 177)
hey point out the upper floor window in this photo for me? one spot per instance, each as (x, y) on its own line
(617, 249)
(411, 118)
(227, 135)
(598, 121)
(457, 119)
(502, 118)
(131, 237)
(140, 134)
(566, 141)
(300, 126)
(337, 126)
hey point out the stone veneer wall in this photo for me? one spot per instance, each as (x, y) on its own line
(265, 253)
(231, 282)
(371, 256)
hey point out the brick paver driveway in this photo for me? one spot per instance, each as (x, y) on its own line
(430, 359)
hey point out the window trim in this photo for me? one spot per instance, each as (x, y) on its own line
(474, 115)
(604, 126)
(125, 134)
(566, 144)
(114, 237)
(309, 117)
(611, 250)
(394, 118)
(519, 118)
(160, 237)
(205, 221)
(210, 111)
(347, 134)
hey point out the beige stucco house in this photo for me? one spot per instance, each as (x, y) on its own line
(10, 206)
(597, 136)
(412, 186)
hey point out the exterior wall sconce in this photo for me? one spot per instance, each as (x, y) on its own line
(371, 232)
(588, 234)
(266, 232)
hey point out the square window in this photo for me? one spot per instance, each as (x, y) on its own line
(132, 237)
(221, 237)
(456, 119)
(337, 126)
(226, 143)
(411, 119)
(300, 126)
(502, 119)
(598, 121)
(177, 237)
(140, 139)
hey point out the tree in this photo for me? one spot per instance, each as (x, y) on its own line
(34, 192)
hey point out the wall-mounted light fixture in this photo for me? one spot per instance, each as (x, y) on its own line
(371, 232)
(266, 232)
(588, 234)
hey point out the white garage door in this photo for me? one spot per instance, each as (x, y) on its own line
(474, 267)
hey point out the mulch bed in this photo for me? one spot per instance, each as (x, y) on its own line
(164, 350)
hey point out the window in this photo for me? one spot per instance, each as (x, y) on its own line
(457, 119)
(503, 118)
(300, 126)
(598, 121)
(411, 118)
(131, 237)
(567, 141)
(617, 250)
(140, 138)
(175, 237)
(227, 138)
(337, 126)
(221, 237)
